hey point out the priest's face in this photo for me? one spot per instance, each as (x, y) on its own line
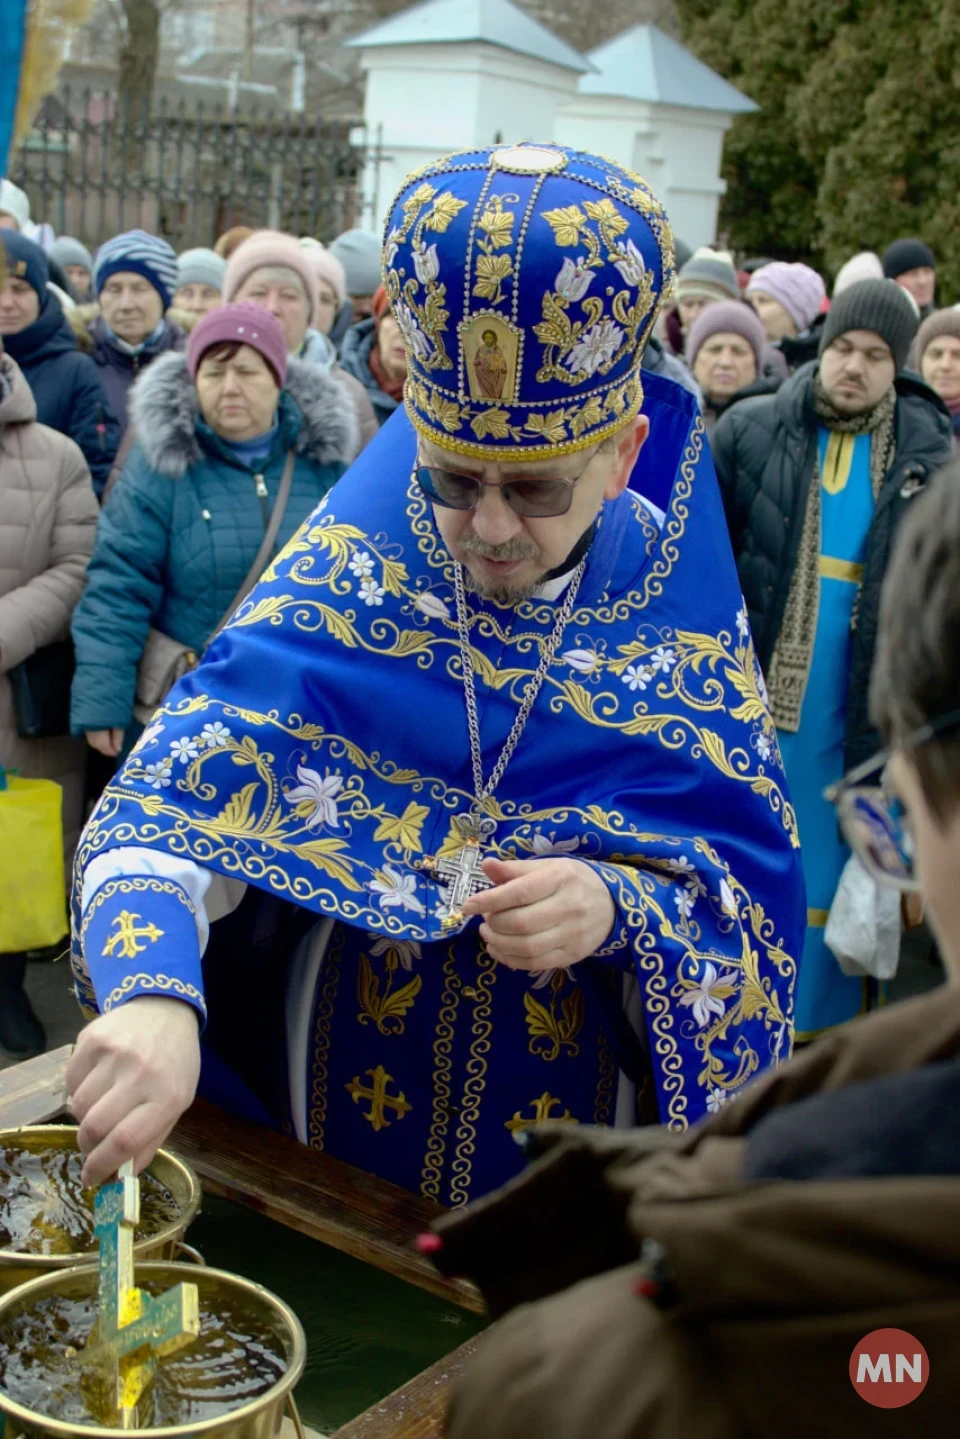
(506, 554)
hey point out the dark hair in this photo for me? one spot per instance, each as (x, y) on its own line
(227, 350)
(916, 675)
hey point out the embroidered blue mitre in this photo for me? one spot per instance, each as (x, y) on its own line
(526, 280)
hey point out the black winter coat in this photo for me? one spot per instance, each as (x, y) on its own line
(765, 451)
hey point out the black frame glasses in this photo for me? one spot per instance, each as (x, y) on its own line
(540, 498)
(873, 818)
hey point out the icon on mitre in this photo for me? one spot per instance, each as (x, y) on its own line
(491, 348)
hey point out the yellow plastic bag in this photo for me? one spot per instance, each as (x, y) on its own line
(33, 911)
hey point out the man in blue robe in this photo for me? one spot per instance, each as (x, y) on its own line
(493, 719)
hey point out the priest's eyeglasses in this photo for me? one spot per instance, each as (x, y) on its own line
(872, 817)
(540, 499)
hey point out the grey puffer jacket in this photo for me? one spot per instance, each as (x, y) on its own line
(765, 452)
(48, 521)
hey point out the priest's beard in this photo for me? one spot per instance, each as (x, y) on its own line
(519, 548)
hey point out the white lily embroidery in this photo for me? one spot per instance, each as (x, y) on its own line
(411, 331)
(685, 899)
(391, 246)
(397, 890)
(544, 845)
(595, 348)
(426, 262)
(321, 793)
(406, 950)
(743, 623)
(150, 733)
(584, 661)
(728, 899)
(574, 279)
(703, 1000)
(546, 975)
(631, 263)
(432, 605)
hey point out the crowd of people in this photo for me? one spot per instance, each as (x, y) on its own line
(181, 402)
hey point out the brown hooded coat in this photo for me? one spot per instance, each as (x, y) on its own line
(760, 1291)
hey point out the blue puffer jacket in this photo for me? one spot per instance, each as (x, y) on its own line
(182, 527)
(66, 386)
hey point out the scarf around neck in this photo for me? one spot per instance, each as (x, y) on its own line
(793, 653)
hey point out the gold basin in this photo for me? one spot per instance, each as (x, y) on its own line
(258, 1418)
(18, 1268)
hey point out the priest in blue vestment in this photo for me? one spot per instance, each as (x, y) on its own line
(491, 728)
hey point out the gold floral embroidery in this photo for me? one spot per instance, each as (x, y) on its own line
(162, 983)
(553, 1027)
(423, 320)
(386, 1010)
(493, 269)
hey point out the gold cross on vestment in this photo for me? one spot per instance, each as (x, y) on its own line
(380, 1100)
(541, 1110)
(134, 1329)
(128, 934)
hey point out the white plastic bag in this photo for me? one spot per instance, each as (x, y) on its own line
(863, 930)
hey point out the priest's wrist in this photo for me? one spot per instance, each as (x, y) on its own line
(544, 913)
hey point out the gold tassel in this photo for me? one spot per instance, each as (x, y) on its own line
(49, 25)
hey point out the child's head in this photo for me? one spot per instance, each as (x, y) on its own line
(916, 682)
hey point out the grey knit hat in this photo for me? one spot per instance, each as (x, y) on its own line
(67, 251)
(941, 322)
(709, 275)
(877, 305)
(359, 253)
(201, 267)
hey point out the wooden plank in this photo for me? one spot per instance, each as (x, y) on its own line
(418, 1409)
(316, 1195)
(34, 1091)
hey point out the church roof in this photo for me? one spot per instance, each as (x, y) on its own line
(494, 22)
(645, 64)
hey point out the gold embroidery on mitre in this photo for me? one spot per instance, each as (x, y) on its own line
(528, 160)
(491, 350)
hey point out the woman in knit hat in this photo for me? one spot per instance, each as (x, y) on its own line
(134, 277)
(789, 300)
(272, 270)
(179, 533)
(76, 262)
(374, 354)
(66, 384)
(726, 351)
(331, 283)
(199, 282)
(937, 349)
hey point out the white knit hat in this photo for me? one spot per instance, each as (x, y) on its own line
(14, 202)
(865, 266)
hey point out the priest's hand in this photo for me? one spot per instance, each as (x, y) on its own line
(133, 1073)
(542, 913)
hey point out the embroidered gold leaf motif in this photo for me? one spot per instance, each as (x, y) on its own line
(555, 327)
(387, 1010)
(445, 412)
(552, 428)
(492, 270)
(498, 225)
(246, 752)
(753, 707)
(611, 221)
(446, 208)
(324, 855)
(410, 642)
(552, 1031)
(394, 577)
(271, 609)
(491, 422)
(566, 223)
(591, 414)
(235, 815)
(339, 626)
(405, 828)
(413, 202)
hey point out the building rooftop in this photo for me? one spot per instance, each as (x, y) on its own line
(645, 64)
(493, 22)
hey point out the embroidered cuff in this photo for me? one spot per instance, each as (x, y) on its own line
(617, 944)
(139, 936)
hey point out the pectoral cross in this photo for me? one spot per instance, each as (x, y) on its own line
(462, 874)
(134, 1329)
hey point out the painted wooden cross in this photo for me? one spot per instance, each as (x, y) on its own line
(134, 1329)
(462, 874)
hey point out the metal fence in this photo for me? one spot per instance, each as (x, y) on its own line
(93, 167)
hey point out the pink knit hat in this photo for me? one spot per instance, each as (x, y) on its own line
(270, 247)
(327, 266)
(240, 324)
(797, 288)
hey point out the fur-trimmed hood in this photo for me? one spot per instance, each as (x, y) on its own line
(165, 412)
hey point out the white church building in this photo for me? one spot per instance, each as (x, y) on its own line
(451, 75)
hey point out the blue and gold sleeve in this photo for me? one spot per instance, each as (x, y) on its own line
(140, 936)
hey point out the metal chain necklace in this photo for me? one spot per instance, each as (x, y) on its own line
(462, 872)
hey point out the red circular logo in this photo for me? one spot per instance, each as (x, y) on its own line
(889, 1368)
